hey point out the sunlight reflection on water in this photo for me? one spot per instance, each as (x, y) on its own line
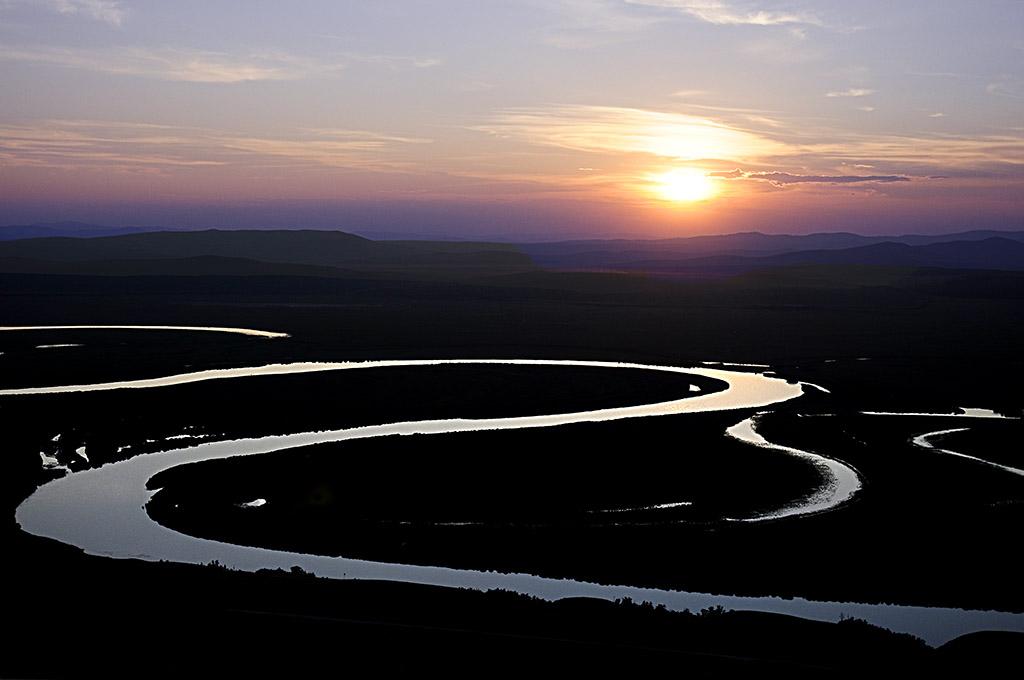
(102, 510)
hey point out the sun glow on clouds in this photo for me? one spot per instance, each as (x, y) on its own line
(625, 136)
(617, 129)
(630, 142)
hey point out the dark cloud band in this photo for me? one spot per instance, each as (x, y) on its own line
(783, 178)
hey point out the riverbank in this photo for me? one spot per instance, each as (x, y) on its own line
(209, 620)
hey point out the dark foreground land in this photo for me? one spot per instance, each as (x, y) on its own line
(926, 529)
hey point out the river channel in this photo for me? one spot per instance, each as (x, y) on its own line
(102, 510)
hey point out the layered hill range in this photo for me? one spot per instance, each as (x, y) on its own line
(336, 254)
(717, 257)
(321, 254)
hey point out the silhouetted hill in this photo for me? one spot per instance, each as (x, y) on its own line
(991, 284)
(333, 253)
(331, 249)
(69, 229)
(990, 253)
(990, 653)
(267, 246)
(705, 257)
(204, 265)
(597, 251)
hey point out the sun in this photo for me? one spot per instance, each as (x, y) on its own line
(684, 186)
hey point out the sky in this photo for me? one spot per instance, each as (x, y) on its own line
(515, 119)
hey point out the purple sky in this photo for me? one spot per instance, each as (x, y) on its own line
(530, 119)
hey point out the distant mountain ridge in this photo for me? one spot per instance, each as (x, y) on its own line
(250, 253)
(990, 253)
(741, 243)
(69, 229)
(333, 254)
(715, 257)
(204, 265)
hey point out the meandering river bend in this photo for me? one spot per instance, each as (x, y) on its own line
(102, 510)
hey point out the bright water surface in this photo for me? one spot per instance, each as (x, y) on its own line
(102, 510)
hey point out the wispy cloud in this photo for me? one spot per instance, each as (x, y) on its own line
(203, 66)
(591, 23)
(365, 135)
(199, 66)
(1014, 90)
(917, 155)
(107, 11)
(85, 144)
(392, 61)
(721, 13)
(90, 144)
(101, 10)
(852, 92)
(689, 93)
(625, 130)
(783, 178)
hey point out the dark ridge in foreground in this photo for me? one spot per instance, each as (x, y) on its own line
(211, 621)
(189, 253)
(993, 252)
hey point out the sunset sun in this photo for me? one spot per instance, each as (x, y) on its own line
(684, 186)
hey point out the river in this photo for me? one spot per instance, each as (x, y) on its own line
(102, 510)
